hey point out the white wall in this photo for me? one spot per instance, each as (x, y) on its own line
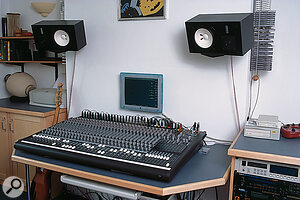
(279, 90)
(43, 74)
(196, 88)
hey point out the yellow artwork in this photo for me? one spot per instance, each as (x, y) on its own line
(142, 9)
(149, 7)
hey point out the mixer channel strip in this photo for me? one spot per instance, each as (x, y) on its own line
(152, 159)
(150, 152)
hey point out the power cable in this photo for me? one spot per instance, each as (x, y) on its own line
(234, 93)
(72, 83)
(257, 96)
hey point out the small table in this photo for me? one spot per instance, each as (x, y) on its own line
(201, 171)
(283, 151)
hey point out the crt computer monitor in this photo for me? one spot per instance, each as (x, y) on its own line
(142, 92)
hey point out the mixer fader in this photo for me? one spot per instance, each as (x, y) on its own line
(138, 146)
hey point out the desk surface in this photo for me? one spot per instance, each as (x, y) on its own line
(283, 151)
(24, 108)
(201, 171)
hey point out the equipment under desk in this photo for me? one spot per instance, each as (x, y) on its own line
(201, 171)
(280, 155)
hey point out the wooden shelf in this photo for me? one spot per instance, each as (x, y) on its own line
(30, 61)
(21, 63)
(17, 38)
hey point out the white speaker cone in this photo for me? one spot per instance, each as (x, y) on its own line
(203, 38)
(61, 38)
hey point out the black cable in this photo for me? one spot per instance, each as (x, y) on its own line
(184, 195)
(178, 197)
(193, 195)
(117, 198)
(201, 194)
(99, 197)
(94, 192)
(217, 197)
(84, 194)
(102, 195)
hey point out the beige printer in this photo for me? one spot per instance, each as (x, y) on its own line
(46, 97)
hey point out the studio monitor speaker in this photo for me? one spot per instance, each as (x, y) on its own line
(220, 34)
(59, 35)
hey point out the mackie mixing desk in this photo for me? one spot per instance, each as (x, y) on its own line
(134, 145)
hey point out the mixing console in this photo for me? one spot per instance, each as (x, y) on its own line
(137, 147)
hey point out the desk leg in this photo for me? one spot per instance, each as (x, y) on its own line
(27, 181)
(231, 179)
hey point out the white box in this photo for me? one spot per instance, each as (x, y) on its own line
(270, 121)
(252, 130)
(45, 97)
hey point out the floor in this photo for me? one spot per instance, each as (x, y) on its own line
(64, 196)
(4, 197)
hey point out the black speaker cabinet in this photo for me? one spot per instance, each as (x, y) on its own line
(59, 35)
(220, 34)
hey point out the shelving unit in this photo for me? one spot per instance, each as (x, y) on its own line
(22, 62)
(17, 38)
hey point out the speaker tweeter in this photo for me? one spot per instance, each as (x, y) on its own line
(203, 38)
(61, 38)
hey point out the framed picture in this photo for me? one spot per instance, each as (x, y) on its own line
(142, 9)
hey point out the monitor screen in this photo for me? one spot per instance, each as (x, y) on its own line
(141, 92)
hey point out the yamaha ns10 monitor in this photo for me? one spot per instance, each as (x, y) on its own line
(220, 34)
(59, 35)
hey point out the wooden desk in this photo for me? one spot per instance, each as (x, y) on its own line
(201, 171)
(19, 120)
(283, 151)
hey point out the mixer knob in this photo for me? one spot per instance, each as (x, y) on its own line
(117, 143)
